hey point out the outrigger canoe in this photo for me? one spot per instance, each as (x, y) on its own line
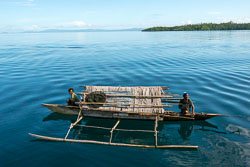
(136, 103)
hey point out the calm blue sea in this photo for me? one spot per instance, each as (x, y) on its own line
(213, 67)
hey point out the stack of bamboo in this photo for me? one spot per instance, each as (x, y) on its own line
(130, 99)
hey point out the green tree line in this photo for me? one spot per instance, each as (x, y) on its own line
(203, 27)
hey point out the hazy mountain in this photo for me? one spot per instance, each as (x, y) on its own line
(84, 30)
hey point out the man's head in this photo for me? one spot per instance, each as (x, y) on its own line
(71, 91)
(185, 95)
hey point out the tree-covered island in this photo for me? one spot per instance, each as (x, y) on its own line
(203, 27)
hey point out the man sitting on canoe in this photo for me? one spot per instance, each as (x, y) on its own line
(73, 98)
(186, 104)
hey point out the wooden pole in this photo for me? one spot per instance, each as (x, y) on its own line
(111, 132)
(97, 127)
(77, 120)
(183, 117)
(125, 104)
(129, 130)
(171, 99)
(84, 97)
(135, 96)
(155, 130)
(72, 125)
(224, 115)
(118, 111)
(113, 144)
(163, 87)
(79, 111)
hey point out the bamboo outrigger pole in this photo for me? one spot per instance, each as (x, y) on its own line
(163, 87)
(79, 118)
(128, 130)
(113, 144)
(111, 132)
(155, 130)
(126, 104)
(135, 96)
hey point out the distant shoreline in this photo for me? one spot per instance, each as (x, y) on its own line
(77, 30)
(203, 27)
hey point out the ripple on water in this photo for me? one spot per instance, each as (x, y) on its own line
(213, 67)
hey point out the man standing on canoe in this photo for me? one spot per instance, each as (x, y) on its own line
(186, 104)
(73, 97)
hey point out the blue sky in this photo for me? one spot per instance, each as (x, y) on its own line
(21, 15)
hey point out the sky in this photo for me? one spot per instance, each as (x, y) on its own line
(36, 15)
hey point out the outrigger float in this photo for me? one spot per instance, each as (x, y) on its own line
(137, 103)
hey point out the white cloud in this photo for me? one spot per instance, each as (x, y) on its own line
(189, 21)
(25, 3)
(32, 28)
(186, 22)
(78, 23)
(73, 25)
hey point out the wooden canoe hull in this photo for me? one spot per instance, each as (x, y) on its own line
(74, 110)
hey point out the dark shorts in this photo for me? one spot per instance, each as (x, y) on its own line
(185, 112)
(71, 103)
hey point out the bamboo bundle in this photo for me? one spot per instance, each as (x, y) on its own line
(123, 95)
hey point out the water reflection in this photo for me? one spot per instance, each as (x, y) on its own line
(185, 130)
(56, 116)
(167, 130)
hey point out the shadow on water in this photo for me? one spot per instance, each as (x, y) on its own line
(166, 129)
(56, 116)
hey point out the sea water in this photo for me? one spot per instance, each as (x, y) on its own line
(212, 66)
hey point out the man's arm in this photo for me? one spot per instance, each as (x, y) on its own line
(191, 105)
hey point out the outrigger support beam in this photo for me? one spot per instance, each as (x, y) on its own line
(111, 132)
(72, 125)
(79, 118)
(156, 132)
(128, 130)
